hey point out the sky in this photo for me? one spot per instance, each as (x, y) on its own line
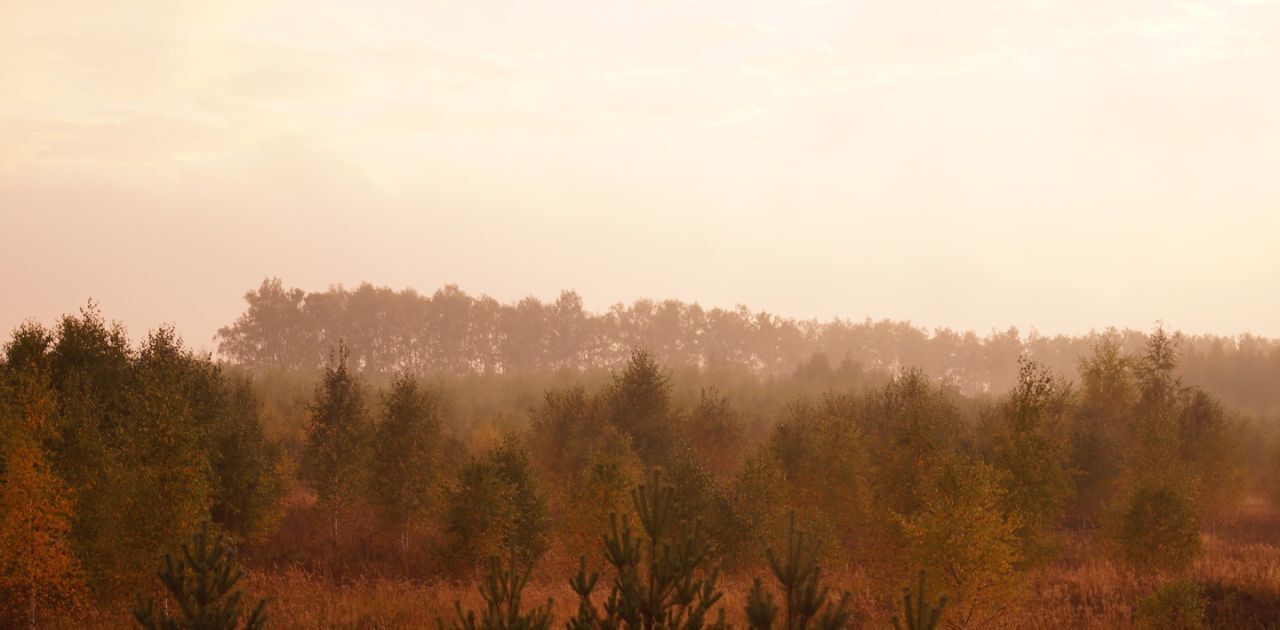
(1058, 166)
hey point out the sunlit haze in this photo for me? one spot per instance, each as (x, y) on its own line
(1052, 165)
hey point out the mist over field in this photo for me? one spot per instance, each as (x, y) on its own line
(664, 315)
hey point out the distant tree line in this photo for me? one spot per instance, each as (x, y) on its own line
(451, 332)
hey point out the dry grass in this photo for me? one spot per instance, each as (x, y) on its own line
(1239, 573)
(302, 600)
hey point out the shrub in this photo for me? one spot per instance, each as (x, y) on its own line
(962, 533)
(1157, 529)
(497, 509)
(753, 511)
(1175, 606)
(1230, 605)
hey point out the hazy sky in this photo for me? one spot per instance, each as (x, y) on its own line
(1062, 165)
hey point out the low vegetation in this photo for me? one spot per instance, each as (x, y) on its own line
(147, 483)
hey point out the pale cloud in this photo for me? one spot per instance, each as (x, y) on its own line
(737, 116)
(721, 31)
(130, 138)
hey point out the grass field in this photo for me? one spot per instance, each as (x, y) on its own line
(1239, 574)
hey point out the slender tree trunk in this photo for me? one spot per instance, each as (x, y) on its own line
(34, 586)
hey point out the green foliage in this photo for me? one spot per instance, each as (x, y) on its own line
(598, 490)
(917, 612)
(28, 349)
(501, 588)
(1097, 436)
(696, 488)
(910, 425)
(153, 484)
(497, 510)
(249, 482)
(335, 456)
(1138, 426)
(203, 586)
(586, 461)
(1032, 455)
(639, 403)
(753, 511)
(1178, 605)
(95, 360)
(407, 456)
(1210, 449)
(660, 578)
(150, 442)
(961, 532)
(1153, 440)
(822, 454)
(568, 429)
(805, 597)
(1157, 529)
(713, 431)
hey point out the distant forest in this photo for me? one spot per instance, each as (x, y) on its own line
(452, 332)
